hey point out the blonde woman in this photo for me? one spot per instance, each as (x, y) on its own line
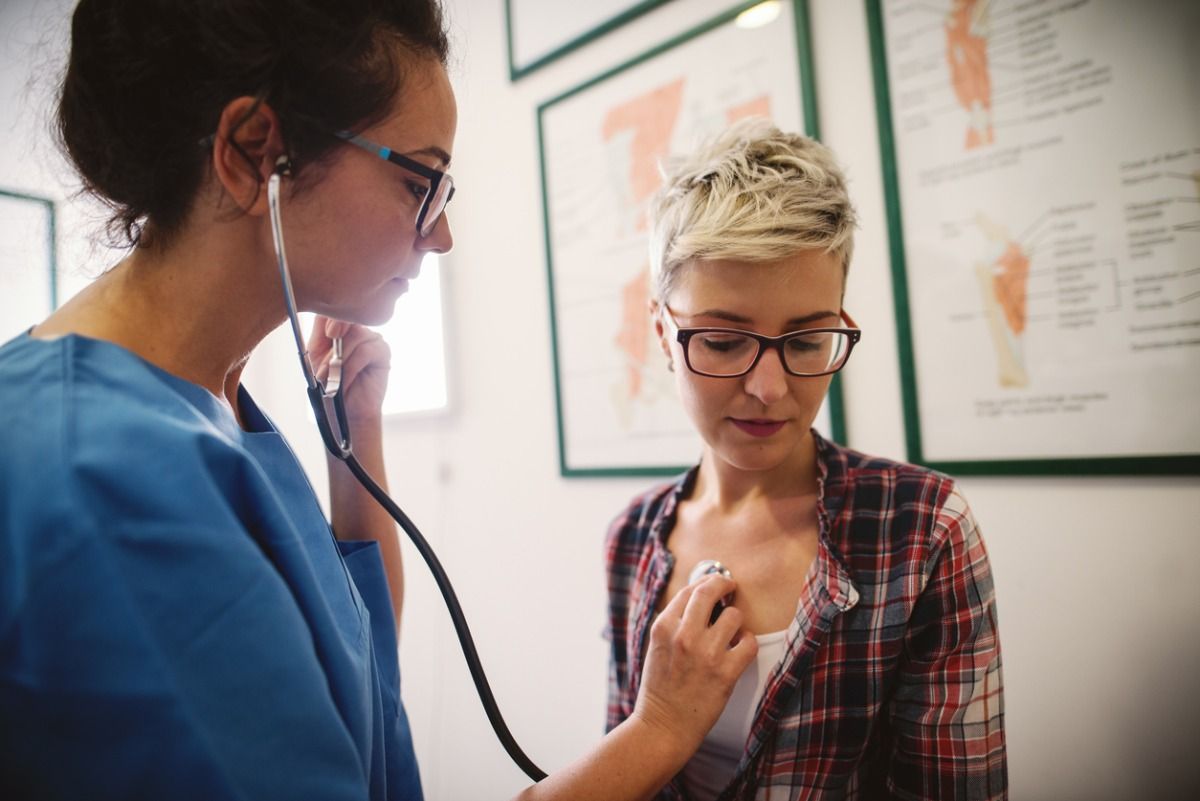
(864, 581)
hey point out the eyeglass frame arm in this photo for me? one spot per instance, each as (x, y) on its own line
(435, 177)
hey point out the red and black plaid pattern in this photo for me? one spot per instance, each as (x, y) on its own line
(891, 687)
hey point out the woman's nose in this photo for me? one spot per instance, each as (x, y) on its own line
(439, 240)
(767, 381)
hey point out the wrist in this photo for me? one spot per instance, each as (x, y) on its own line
(366, 438)
(652, 723)
(366, 425)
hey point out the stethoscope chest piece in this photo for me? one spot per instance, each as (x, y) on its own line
(708, 567)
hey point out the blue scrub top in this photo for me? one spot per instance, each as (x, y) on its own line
(176, 620)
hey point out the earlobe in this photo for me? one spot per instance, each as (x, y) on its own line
(246, 149)
(659, 331)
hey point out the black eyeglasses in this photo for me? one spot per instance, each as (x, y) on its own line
(730, 352)
(436, 195)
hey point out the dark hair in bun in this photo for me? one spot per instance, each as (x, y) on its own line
(147, 80)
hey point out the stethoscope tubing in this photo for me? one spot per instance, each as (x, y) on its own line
(339, 444)
(466, 641)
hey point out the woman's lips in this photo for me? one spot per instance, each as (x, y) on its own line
(759, 428)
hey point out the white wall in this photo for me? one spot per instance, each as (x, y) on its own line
(1099, 619)
(33, 47)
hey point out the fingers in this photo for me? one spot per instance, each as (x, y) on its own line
(743, 646)
(674, 609)
(324, 331)
(339, 328)
(743, 651)
(726, 634)
(729, 623)
(362, 348)
(369, 353)
(705, 596)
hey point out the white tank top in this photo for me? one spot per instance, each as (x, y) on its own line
(712, 766)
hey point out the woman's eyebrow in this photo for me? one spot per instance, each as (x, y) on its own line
(811, 318)
(432, 150)
(721, 314)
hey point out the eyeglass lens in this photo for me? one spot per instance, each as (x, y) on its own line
(728, 353)
(435, 204)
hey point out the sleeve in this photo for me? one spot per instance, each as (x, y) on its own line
(152, 651)
(947, 712)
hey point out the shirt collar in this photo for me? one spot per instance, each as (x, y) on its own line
(665, 520)
(832, 471)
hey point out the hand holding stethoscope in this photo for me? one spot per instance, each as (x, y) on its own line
(354, 360)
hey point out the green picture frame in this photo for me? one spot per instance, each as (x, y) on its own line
(566, 40)
(33, 278)
(588, 98)
(915, 424)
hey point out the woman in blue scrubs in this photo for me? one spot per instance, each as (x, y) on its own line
(177, 617)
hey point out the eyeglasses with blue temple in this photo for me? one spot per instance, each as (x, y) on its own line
(436, 195)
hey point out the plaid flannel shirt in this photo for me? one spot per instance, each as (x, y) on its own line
(891, 685)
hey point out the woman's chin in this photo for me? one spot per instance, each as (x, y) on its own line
(376, 312)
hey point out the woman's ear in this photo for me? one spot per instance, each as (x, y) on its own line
(660, 331)
(248, 142)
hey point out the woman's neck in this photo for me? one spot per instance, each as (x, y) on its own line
(196, 308)
(727, 488)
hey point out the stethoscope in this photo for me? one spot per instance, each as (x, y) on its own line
(338, 442)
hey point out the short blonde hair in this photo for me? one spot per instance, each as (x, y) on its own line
(752, 193)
